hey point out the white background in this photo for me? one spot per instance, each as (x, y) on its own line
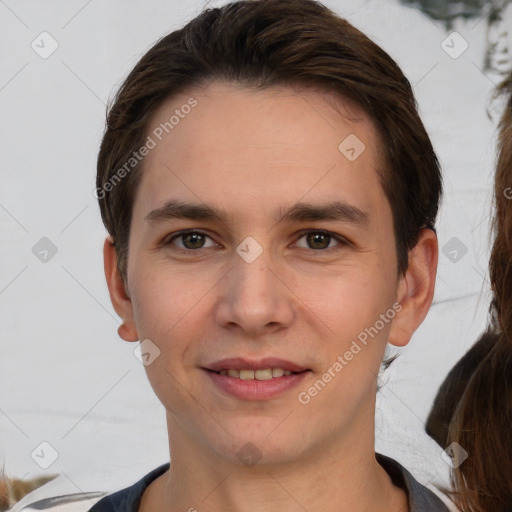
(65, 376)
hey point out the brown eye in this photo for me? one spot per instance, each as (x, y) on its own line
(193, 240)
(318, 240)
(190, 240)
(321, 240)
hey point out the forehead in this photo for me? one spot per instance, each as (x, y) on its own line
(254, 149)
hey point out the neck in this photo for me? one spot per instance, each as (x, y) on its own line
(336, 477)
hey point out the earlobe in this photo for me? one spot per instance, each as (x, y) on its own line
(416, 289)
(118, 293)
(127, 332)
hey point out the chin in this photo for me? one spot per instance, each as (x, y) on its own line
(258, 447)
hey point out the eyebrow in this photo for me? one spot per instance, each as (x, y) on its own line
(335, 210)
(299, 212)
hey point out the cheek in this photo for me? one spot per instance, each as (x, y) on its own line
(164, 297)
(171, 312)
(358, 313)
(173, 308)
(347, 302)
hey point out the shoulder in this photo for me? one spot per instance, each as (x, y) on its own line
(128, 499)
(421, 499)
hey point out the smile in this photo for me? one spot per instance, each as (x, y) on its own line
(255, 384)
(266, 374)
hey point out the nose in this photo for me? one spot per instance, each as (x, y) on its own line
(255, 298)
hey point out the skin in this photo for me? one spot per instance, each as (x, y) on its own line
(299, 303)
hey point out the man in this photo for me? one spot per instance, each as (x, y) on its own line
(270, 195)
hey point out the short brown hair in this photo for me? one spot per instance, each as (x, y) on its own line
(264, 43)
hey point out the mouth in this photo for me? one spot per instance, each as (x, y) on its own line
(248, 374)
(255, 380)
(248, 369)
(265, 374)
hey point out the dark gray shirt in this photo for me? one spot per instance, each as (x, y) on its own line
(421, 499)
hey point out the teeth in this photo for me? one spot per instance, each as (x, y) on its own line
(246, 374)
(266, 374)
(263, 374)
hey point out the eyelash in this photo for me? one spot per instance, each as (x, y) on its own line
(342, 241)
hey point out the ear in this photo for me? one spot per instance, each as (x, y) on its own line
(415, 289)
(118, 293)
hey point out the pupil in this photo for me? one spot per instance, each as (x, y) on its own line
(318, 240)
(193, 240)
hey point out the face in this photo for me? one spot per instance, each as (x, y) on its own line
(256, 236)
(500, 41)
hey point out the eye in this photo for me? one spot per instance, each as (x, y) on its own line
(319, 240)
(190, 240)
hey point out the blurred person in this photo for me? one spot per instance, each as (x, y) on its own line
(473, 407)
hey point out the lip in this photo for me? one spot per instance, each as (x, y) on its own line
(255, 389)
(241, 363)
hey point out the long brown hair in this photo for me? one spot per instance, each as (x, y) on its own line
(482, 422)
